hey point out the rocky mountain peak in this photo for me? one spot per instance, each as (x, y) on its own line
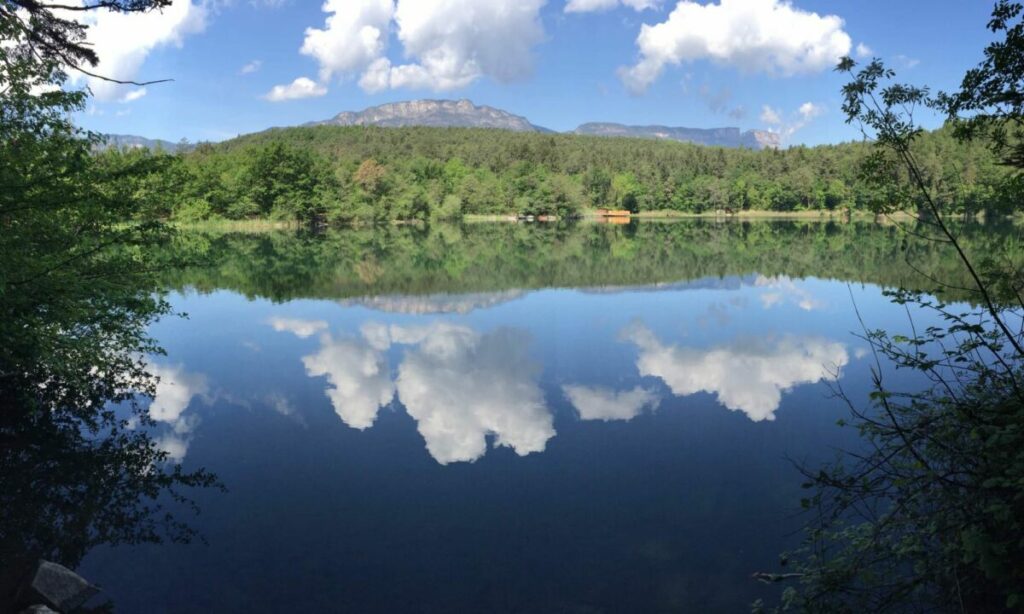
(439, 113)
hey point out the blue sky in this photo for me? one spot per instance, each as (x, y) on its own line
(558, 62)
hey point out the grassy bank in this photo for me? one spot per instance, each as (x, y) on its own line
(254, 225)
(261, 225)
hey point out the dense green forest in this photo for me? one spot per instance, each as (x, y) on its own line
(472, 258)
(343, 174)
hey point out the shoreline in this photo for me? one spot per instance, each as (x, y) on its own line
(591, 216)
(669, 214)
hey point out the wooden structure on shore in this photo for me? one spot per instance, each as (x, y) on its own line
(613, 213)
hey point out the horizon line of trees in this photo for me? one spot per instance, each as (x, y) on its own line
(333, 174)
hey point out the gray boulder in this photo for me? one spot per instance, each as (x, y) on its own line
(58, 587)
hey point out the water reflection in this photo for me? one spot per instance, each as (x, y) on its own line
(781, 288)
(444, 349)
(435, 303)
(459, 385)
(599, 403)
(298, 327)
(462, 386)
(747, 375)
(359, 381)
(174, 393)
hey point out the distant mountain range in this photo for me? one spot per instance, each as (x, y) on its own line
(437, 113)
(129, 141)
(722, 137)
(465, 114)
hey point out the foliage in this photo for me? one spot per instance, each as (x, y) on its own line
(990, 102)
(77, 291)
(930, 515)
(370, 174)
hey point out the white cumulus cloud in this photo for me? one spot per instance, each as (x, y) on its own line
(303, 87)
(589, 6)
(809, 111)
(455, 42)
(251, 67)
(747, 375)
(447, 44)
(788, 125)
(354, 35)
(134, 95)
(768, 36)
(770, 116)
(907, 61)
(863, 51)
(124, 40)
(598, 403)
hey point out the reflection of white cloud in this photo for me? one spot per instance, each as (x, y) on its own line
(297, 326)
(748, 375)
(280, 403)
(357, 372)
(174, 392)
(460, 386)
(716, 313)
(781, 288)
(360, 382)
(175, 446)
(604, 404)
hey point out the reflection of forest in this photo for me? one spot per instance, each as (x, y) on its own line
(366, 262)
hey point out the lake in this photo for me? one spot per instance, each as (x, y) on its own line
(509, 417)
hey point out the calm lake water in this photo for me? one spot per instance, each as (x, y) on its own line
(507, 418)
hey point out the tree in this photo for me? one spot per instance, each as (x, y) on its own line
(287, 182)
(990, 101)
(626, 192)
(563, 196)
(77, 293)
(371, 176)
(929, 517)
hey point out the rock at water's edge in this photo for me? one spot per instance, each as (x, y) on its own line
(58, 587)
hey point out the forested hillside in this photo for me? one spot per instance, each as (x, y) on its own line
(340, 174)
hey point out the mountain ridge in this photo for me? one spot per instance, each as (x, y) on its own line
(720, 137)
(432, 112)
(464, 113)
(132, 141)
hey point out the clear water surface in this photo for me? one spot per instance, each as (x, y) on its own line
(505, 418)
